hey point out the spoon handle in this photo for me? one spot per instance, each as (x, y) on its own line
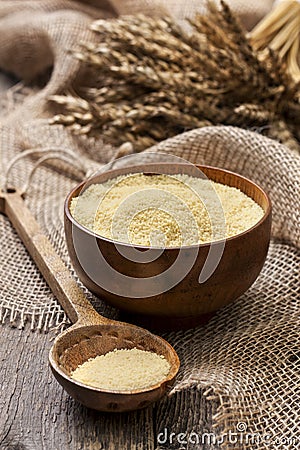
(53, 269)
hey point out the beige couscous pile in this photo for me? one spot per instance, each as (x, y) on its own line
(123, 370)
(165, 210)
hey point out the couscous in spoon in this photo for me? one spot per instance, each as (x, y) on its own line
(91, 333)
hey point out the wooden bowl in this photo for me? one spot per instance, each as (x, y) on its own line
(106, 268)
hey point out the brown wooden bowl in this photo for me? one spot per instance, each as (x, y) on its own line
(105, 266)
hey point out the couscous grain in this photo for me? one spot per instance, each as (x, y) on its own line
(165, 210)
(123, 370)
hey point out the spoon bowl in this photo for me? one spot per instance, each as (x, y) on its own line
(79, 343)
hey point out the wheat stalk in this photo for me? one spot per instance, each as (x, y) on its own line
(152, 81)
(280, 31)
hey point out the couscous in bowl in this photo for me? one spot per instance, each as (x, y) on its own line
(162, 287)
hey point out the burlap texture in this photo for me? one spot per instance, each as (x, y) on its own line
(247, 357)
(250, 12)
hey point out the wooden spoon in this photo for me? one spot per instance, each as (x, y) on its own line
(91, 334)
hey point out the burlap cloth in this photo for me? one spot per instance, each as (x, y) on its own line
(247, 357)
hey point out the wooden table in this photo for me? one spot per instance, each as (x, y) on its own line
(36, 414)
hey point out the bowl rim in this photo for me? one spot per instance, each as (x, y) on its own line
(80, 185)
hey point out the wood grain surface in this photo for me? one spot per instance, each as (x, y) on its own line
(37, 414)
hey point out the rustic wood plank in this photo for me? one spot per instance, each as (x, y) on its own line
(184, 421)
(36, 414)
